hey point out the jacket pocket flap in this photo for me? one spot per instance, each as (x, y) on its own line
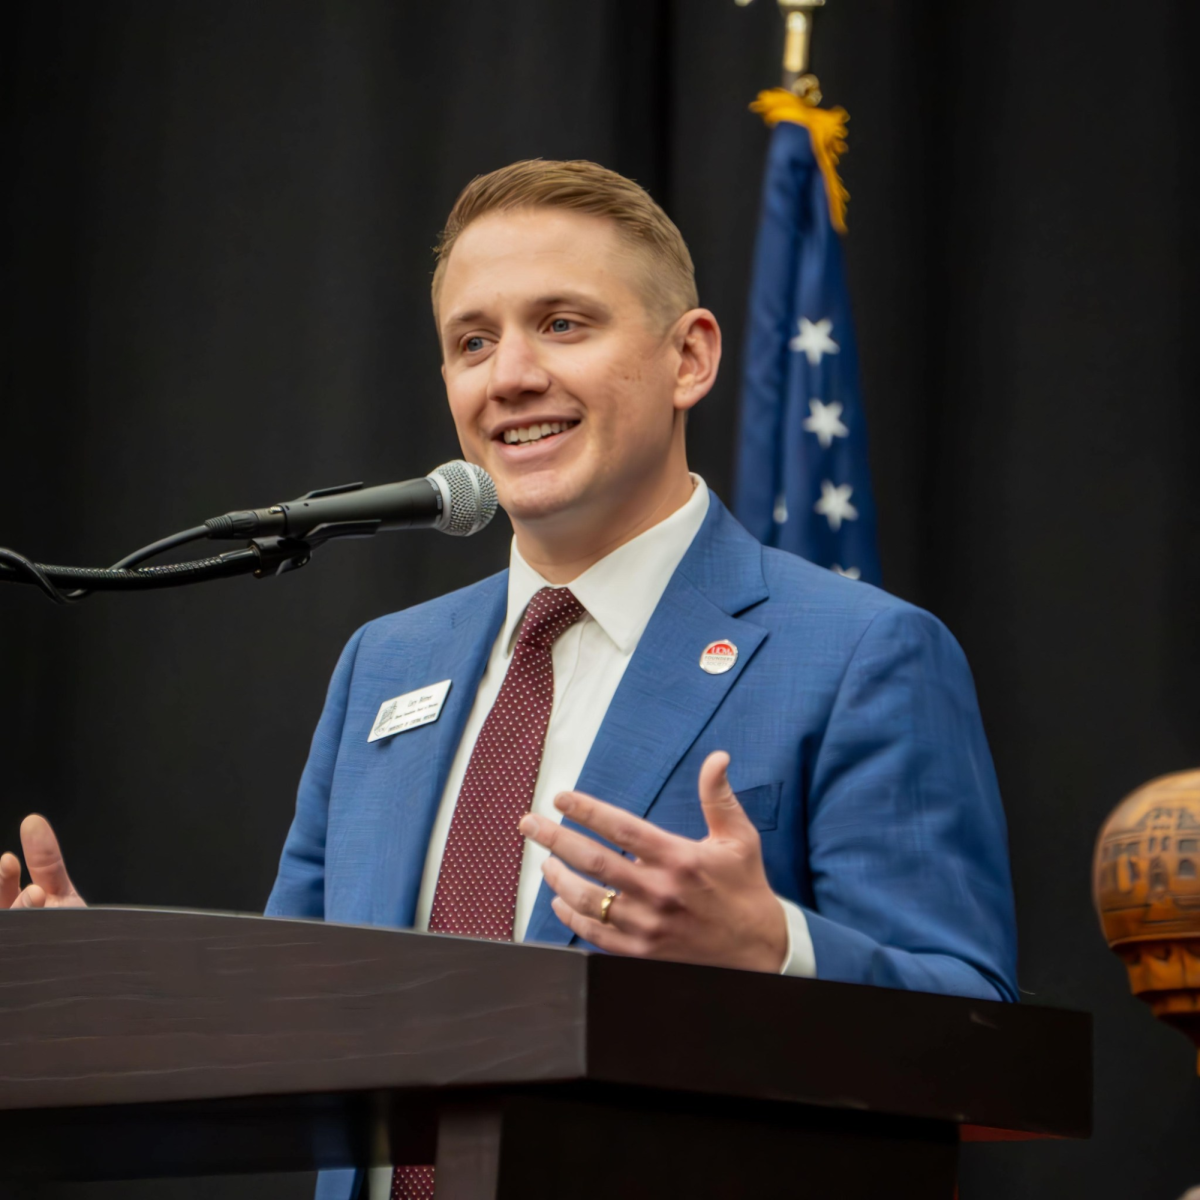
(761, 804)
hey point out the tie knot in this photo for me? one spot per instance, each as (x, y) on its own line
(551, 612)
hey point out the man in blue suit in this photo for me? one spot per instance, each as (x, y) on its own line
(730, 756)
(819, 799)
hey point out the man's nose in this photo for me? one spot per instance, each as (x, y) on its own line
(516, 371)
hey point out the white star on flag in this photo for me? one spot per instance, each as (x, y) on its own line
(825, 422)
(814, 340)
(834, 504)
(846, 572)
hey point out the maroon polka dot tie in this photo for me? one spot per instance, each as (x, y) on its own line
(476, 890)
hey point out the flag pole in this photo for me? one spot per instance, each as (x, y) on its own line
(797, 47)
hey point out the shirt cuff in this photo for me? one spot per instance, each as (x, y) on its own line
(800, 959)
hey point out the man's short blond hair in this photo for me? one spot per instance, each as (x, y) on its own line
(669, 278)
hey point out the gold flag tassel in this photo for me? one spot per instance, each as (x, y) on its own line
(827, 129)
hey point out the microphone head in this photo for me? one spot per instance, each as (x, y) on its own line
(468, 497)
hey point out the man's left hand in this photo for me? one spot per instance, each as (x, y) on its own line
(700, 902)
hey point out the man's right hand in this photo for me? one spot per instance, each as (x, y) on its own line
(50, 886)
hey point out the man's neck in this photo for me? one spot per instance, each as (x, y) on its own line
(561, 555)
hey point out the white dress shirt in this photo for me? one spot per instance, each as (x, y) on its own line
(620, 594)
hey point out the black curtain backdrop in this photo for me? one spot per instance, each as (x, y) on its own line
(218, 221)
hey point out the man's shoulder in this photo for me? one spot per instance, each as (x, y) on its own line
(803, 594)
(434, 618)
(788, 583)
(796, 581)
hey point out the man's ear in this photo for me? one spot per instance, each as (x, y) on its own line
(697, 338)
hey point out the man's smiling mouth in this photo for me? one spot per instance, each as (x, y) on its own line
(536, 431)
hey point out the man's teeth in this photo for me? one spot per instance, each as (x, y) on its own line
(534, 433)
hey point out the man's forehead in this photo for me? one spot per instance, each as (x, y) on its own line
(541, 228)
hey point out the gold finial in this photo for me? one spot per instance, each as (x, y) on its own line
(798, 21)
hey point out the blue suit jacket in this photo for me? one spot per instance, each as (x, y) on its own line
(856, 743)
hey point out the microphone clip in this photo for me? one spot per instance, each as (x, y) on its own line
(279, 555)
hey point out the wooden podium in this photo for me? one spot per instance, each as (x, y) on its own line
(141, 1042)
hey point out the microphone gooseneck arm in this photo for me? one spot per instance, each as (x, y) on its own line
(262, 558)
(457, 498)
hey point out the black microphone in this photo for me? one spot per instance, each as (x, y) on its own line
(458, 498)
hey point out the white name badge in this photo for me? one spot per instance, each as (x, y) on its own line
(410, 710)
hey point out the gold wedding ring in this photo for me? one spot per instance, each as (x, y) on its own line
(606, 904)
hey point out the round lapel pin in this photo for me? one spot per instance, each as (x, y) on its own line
(718, 657)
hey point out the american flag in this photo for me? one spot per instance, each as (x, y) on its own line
(803, 480)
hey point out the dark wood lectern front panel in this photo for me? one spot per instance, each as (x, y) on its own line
(142, 1042)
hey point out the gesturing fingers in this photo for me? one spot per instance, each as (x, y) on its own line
(32, 897)
(44, 858)
(723, 814)
(583, 853)
(10, 880)
(632, 834)
(584, 897)
(606, 935)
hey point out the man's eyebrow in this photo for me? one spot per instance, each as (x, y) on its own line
(464, 318)
(574, 300)
(551, 300)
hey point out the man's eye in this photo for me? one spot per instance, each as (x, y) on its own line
(472, 344)
(561, 325)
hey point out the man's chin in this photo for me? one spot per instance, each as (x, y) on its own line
(538, 502)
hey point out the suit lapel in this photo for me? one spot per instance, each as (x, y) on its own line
(665, 700)
(419, 767)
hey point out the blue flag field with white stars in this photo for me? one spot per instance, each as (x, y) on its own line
(803, 480)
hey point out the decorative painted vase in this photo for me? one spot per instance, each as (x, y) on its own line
(1146, 884)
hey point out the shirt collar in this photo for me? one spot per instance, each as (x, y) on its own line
(622, 590)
